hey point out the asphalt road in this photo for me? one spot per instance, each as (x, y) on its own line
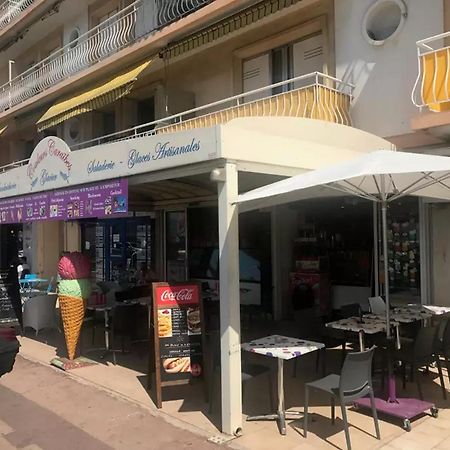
(42, 409)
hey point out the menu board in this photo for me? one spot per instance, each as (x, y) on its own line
(89, 201)
(178, 334)
(10, 303)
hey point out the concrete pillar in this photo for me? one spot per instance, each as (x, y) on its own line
(230, 325)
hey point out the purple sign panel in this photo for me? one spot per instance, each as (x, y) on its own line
(90, 201)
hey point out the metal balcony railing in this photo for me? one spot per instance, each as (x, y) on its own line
(10, 9)
(315, 96)
(432, 86)
(107, 38)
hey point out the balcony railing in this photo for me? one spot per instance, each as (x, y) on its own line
(10, 9)
(432, 86)
(315, 96)
(110, 36)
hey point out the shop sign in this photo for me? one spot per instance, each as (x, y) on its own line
(109, 199)
(50, 164)
(178, 335)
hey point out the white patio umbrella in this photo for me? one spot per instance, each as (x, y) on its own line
(381, 176)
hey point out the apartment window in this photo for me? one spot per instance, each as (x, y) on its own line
(282, 63)
(105, 17)
(146, 110)
(109, 123)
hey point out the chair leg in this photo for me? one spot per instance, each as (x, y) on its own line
(305, 418)
(447, 364)
(404, 374)
(374, 414)
(269, 377)
(344, 418)
(441, 377)
(333, 410)
(419, 383)
(211, 391)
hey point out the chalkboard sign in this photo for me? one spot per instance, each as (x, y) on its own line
(10, 302)
(177, 335)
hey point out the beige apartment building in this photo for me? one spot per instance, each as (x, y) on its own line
(267, 89)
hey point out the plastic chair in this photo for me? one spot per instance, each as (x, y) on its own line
(377, 305)
(39, 312)
(421, 353)
(354, 382)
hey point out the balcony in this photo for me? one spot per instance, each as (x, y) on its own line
(432, 87)
(10, 9)
(119, 31)
(314, 96)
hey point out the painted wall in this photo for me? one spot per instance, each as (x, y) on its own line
(384, 75)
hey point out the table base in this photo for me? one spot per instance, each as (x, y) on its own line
(280, 417)
(402, 408)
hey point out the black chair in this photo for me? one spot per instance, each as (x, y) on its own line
(354, 382)
(442, 342)
(248, 371)
(123, 325)
(311, 327)
(421, 353)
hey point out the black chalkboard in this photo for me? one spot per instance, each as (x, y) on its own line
(10, 301)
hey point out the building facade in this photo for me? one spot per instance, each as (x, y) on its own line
(298, 77)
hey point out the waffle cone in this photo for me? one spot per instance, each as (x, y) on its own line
(72, 314)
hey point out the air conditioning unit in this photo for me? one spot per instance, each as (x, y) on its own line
(73, 131)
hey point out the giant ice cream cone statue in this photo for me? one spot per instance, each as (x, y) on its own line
(74, 287)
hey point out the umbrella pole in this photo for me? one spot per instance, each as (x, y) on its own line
(376, 266)
(392, 394)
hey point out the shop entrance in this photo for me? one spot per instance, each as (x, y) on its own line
(119, 248)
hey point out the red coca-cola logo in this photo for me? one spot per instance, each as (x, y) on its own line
(177, 295)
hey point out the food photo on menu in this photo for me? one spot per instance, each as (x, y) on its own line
(193, 321)
(164, 323)
(177, 365)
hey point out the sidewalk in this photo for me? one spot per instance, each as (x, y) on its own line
(42, 409)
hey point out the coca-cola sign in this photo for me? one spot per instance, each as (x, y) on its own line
(177, 295)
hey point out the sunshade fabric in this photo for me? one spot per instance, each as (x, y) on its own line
(382, 175)
(3, 129)
(92, 99)
(237, 21)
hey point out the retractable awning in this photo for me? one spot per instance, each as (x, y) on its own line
(3, 129)
(92, 99)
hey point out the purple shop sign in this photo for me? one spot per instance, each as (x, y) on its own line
(108, 199)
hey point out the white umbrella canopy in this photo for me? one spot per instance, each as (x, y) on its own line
(380, 176)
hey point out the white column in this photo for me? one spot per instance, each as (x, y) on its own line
(230, 330)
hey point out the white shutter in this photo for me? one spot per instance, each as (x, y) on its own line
(255, 75)
(308, 57)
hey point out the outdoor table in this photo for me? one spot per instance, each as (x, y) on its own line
(283, 348)
(105, 309)
(368, 325)
(29, 283)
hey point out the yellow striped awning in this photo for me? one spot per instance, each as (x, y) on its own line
(3, 129)
(233, 23)
(90, 100)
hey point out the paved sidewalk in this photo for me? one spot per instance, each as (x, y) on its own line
(43, 409)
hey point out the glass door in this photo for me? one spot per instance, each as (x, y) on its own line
(176, 245)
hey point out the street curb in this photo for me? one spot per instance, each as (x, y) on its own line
(118, 395)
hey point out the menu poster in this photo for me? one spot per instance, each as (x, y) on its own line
(178, 335)
(88, 201)
(10, 302)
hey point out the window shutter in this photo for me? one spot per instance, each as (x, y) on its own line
(255, 75)
(308, 57)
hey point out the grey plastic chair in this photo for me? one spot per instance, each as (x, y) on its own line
(421, 353)
(442, 343)
(354, 382)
